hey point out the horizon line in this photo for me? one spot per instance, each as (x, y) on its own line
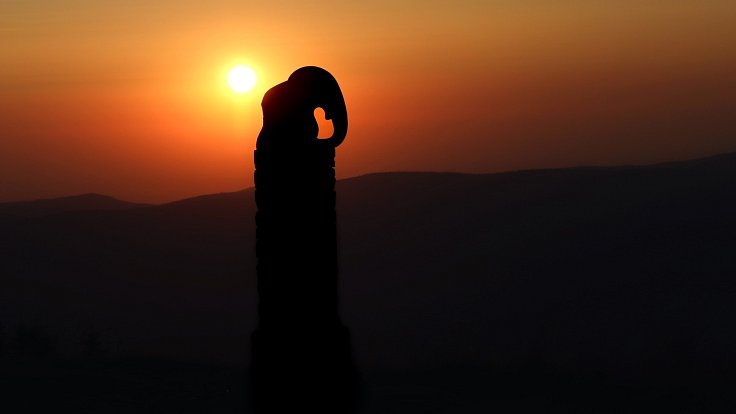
(517, 171)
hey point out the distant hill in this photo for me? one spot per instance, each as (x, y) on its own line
(621, 273)
(82, 202)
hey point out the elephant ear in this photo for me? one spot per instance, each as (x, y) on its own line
(324, 92)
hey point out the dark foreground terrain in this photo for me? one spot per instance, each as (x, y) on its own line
(572, 290)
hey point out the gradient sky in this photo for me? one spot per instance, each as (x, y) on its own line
(129, 98)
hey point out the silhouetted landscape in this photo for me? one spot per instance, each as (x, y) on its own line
(591, 289)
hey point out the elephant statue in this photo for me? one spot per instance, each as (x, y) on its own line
(288, 111)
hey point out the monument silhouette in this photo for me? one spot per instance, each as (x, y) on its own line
(301, 352)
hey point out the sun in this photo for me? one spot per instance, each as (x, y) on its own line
(241, 79)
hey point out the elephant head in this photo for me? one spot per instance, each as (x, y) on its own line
(288, 110)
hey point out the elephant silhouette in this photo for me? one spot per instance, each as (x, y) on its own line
(288, 111)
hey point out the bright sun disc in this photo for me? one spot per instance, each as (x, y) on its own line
(241, 79)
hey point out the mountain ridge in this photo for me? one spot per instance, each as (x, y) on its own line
(107, 202)
(80, 202)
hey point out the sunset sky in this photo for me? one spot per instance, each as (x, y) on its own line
(130, 98)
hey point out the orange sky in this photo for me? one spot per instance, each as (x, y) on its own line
(129, 98)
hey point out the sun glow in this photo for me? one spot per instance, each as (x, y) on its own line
(241, 79)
